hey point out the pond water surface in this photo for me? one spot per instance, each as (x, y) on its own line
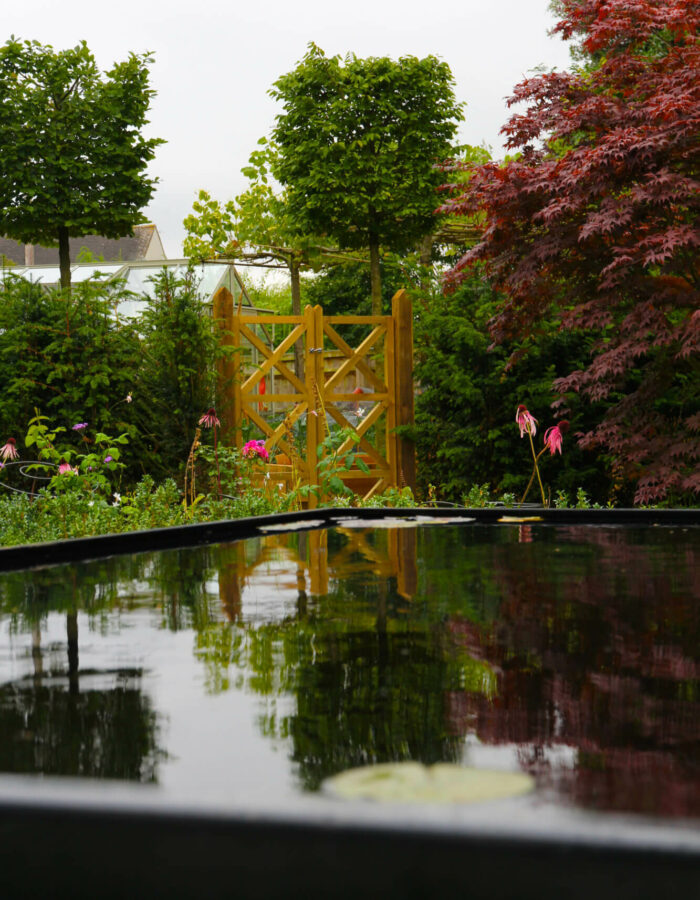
(259, 668)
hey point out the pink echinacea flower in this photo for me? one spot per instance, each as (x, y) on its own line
(526, 421)
(66, 469)
(209, 419)
(554, 436)
(9, 450)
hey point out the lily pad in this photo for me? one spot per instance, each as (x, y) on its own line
(293, 526)
(411, 782)
(376, 523)
(444, 520)
(518, 520)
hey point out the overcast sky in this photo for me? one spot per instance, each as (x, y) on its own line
(216, 59)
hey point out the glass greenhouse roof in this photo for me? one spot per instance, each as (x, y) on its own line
(138, 277)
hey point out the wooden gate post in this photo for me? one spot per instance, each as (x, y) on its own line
(402, 312)
(312, 366)
(225, 366)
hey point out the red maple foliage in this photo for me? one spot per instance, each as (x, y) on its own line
(596, 219)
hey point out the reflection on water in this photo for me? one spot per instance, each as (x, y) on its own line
(99, 733)
(572, 653)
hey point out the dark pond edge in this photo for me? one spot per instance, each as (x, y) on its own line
(57, 850)
(25, 556)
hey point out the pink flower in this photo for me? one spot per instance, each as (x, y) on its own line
(9, 450)
(209, 419)
(256, 448)
(554, 436)
(108, 459)
(526, 421)
(66, 469)
(79, 426)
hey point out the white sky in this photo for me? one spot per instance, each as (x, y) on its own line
(216, 59)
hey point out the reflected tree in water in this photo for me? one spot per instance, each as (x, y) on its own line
(61, 720)
(53, 730)
(366, 673)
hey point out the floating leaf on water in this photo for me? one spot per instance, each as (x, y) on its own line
(411, 782)
(293, 526)
(376, 523)
(518, 520)
(444, 520)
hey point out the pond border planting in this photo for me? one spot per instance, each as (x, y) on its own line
(24, 556)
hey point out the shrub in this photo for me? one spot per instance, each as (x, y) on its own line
(66, 354)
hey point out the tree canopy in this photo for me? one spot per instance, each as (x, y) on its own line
(256, 227)
(595, 220)
(358, 142)
(73, 159)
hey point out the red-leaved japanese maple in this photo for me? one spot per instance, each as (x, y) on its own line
(596, 219)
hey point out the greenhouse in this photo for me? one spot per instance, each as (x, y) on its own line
(138, 275)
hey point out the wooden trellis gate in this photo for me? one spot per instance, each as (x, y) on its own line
(382, 363)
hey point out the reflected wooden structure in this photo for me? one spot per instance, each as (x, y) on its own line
(312, 567)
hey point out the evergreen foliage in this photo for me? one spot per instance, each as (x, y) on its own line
(464, 431)
(177, 377)
(66, 354)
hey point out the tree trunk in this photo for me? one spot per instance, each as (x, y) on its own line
(296, 311)
(64, 256)
(72, 632)
(375, 276)
(425, 259)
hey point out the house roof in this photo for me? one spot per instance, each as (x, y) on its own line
(102, 249)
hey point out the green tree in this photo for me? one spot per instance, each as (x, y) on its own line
(256, 227)
(176, 379)
(358, 142)
(73, 159)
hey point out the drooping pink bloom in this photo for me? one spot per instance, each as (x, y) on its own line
(256, 448)
(209, 419)
(66, 469)
(9, 450)
(526, 421)
(554, 436)
(79, 426)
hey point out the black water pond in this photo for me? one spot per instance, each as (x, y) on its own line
(237, 677)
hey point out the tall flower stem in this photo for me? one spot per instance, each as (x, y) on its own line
(532, 478)
(189, 470)
(216, 457)
(535, 471)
